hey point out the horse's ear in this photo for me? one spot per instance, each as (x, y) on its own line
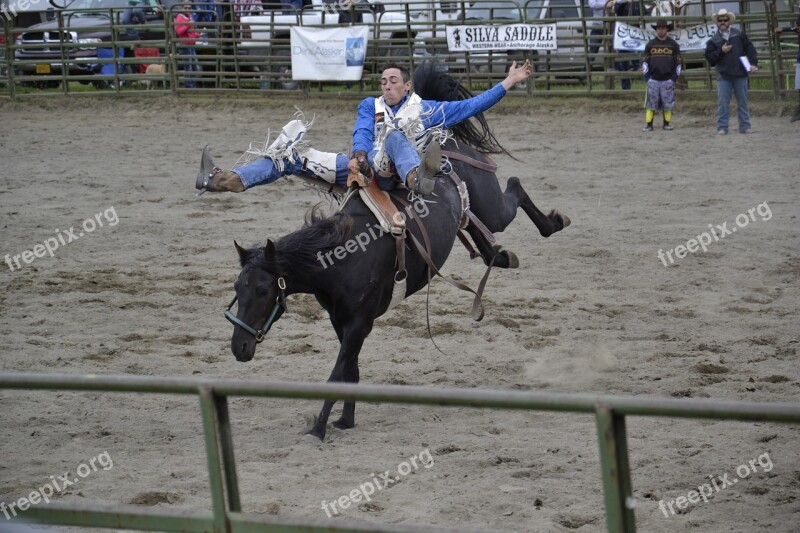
(242, 252)
(270, 248)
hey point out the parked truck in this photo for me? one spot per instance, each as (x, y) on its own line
(79, 36)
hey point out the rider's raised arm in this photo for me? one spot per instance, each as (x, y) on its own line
(448, 114)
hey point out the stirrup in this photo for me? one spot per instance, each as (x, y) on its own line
(207, 171)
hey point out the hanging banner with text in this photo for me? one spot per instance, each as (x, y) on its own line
(633, 39)
(508, 37)
(328, 54)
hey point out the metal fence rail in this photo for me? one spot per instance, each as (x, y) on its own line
(226, 514)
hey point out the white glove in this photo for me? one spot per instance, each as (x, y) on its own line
(645, 67)
(678, 70)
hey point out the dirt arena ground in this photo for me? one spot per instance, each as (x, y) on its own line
(592, 309)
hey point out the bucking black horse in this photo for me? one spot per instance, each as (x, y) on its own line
(349, 265)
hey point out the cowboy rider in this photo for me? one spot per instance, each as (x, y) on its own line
(396, 136)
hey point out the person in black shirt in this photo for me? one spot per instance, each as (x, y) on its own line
(661, 66)
(795, 30)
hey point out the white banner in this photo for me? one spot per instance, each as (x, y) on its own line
(323, 54)
(508, 37)
(633, 39)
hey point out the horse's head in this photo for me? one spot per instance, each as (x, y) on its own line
(262, 300)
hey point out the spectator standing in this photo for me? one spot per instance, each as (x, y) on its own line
(243, 8)
(598, 8)
(187, 37)
(626, 8)
(661, 67)
(725, 51)
(795, 30)
(134, 14)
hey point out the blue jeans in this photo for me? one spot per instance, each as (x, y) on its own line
(594, 44)
(403, 155)
(624, 65)
(737, 87)
(263, 171)
(190, 64)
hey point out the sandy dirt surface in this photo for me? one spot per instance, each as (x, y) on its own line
(592, 309)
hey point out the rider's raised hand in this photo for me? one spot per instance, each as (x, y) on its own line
(517, 74)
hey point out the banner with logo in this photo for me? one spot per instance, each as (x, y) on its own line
(328, 54)
(507, 37)
(633, 39)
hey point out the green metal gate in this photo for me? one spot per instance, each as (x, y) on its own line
(226, 514)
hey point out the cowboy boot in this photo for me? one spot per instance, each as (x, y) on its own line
(422, 179)
(213, 179)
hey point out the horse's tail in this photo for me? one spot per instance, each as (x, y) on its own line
(432, 83)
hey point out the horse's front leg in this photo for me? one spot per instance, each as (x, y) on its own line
(348, 418)
(345, 370)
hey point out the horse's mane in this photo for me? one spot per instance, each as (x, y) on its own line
(298, 251)
(431, 83)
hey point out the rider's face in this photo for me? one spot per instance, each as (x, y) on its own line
(394, 88)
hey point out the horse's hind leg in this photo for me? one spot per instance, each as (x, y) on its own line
(502, 258)
(546, 224)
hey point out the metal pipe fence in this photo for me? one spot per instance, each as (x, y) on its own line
(242, 54)
(226, 514)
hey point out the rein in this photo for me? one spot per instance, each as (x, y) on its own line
(489, 166)
(277, 310)
(424, 252)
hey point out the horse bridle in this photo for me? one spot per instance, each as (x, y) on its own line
(277, 310)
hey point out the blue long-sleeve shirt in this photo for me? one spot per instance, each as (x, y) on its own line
(445, 114)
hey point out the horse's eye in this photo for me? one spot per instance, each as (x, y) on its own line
(262, 291)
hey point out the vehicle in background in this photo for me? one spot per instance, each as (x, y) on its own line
(87, 25)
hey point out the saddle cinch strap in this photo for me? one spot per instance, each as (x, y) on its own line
(390, 220)
(394, 223)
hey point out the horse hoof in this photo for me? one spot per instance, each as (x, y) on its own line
(311, 439)
(565, 221)
(513, 261)
(340, 424)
